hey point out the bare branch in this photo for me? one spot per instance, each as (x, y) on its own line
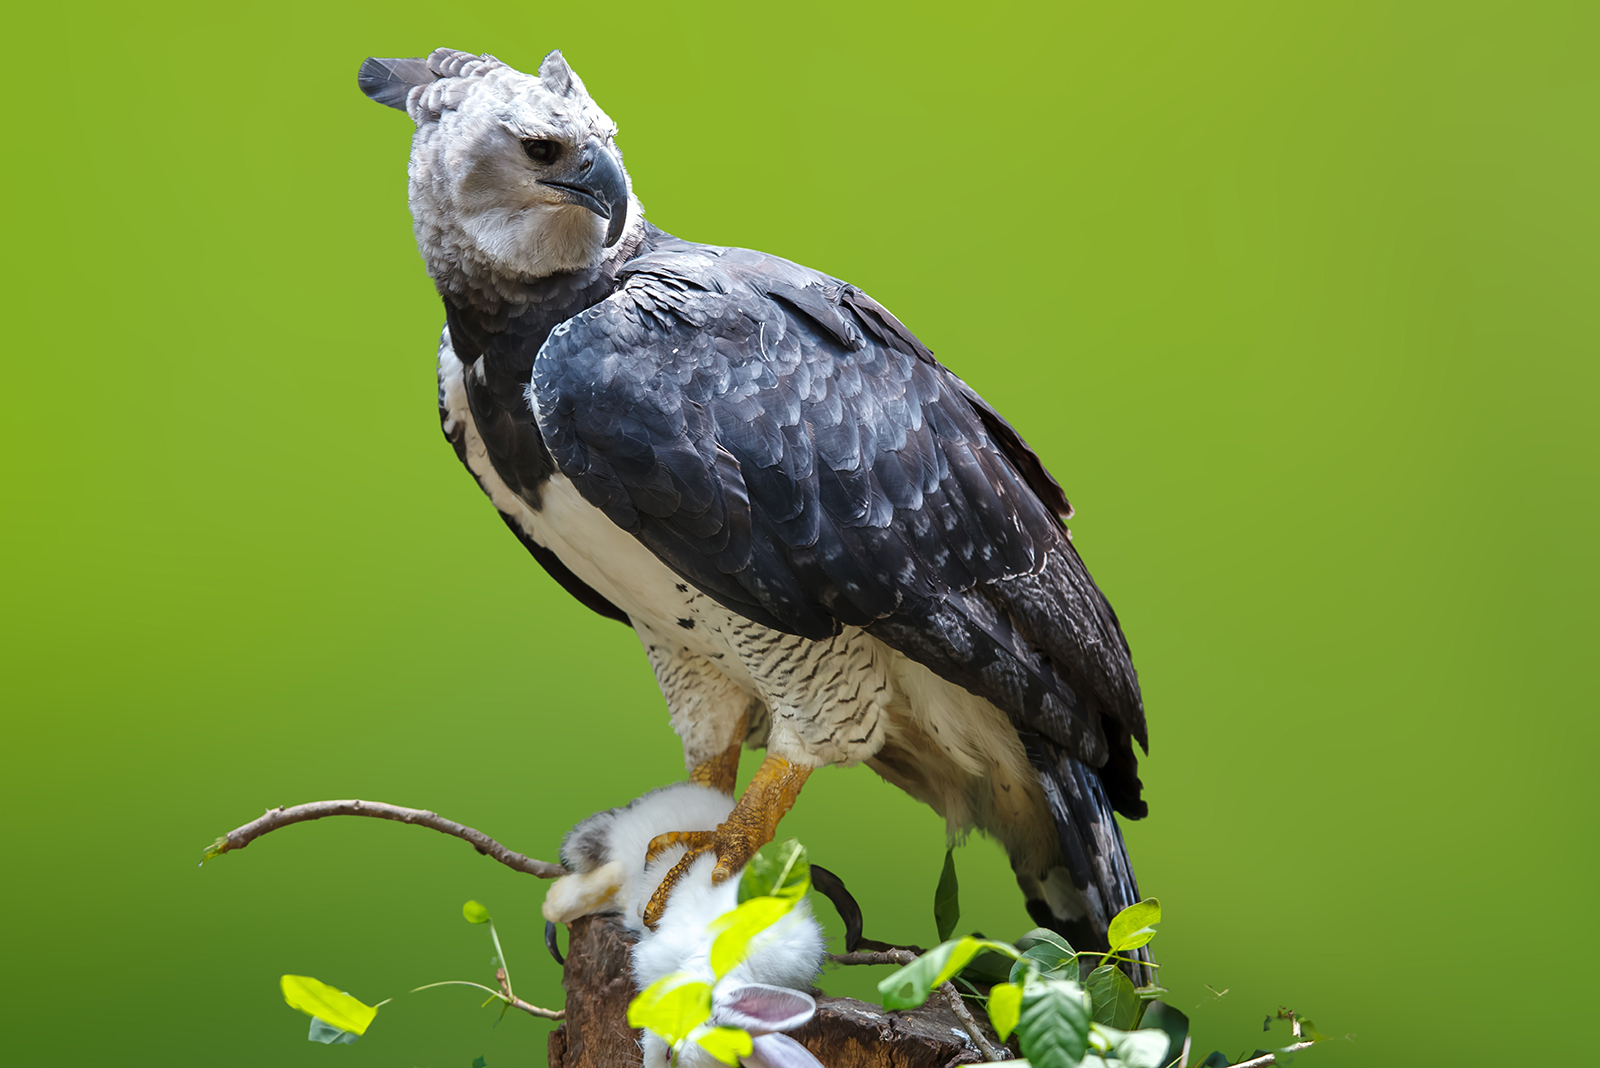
(1272, 1058)
(1295, 1029)
(316, 810)
(873, 943)
(887, 956)
(530, 1009)
(975, 1029)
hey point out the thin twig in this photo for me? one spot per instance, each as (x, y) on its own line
(887, 956)
(1272, 1058)
(456, 982)
(872, 943)
(516, 1002)
(953, 996)
(316, 810)
(503, 994)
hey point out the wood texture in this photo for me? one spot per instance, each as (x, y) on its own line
(845, 1033)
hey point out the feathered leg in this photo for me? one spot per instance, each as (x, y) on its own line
(722, 770)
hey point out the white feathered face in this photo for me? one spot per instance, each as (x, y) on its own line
(513, 173)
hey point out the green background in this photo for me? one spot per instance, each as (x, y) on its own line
(1298, 302)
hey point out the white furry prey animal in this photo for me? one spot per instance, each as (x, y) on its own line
(828, 544)
(767, 993)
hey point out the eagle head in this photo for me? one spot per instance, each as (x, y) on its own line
(513, 177)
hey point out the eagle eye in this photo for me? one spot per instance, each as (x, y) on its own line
(540, 150)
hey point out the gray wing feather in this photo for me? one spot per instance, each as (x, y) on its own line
(784, 443)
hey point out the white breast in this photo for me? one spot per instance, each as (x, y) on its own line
(599, 552)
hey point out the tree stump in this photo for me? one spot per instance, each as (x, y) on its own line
(845, 1033)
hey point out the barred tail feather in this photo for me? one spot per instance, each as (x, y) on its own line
(1095, 879)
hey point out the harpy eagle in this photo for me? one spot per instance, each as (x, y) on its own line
(828, 544)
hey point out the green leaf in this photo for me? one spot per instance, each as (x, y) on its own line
(1216, 1059)
(1139, 1049)
(473, 912)
(324, 1032)
(1134, 925)
(671, 1007)
(1044, 934)
(778, 871)
(479, 1062)
(988, 969)
(333, 1007)
(726, 1044)
(1052, 961)
(947, 898)
(1115, 1002)
(1309, 1032)
(734, 930)
(1163, 1017)
(1005, 1008)
(910, 986)
(1054, 1023)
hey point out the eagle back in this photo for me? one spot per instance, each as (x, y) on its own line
(781, 440)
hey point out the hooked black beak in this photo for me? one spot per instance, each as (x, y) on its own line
(596, 182)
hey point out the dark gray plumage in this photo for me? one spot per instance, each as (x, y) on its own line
(782, 441)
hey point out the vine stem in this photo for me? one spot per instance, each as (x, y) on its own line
(316, 810)
(517, 1003)
(503, 994)
(503, 975)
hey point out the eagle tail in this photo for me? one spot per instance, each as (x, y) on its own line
(1094, 880)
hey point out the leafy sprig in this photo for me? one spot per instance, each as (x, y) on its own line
(338, 1018)
(1068, 1009)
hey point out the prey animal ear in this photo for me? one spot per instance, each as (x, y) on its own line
(778, 1051)
(556, 75)
(390, 81)
(761, 1008)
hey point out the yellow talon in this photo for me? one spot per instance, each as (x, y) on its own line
(696, 841)
(751, 825)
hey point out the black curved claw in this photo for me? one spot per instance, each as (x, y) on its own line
(551, 943)
(832, 887)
